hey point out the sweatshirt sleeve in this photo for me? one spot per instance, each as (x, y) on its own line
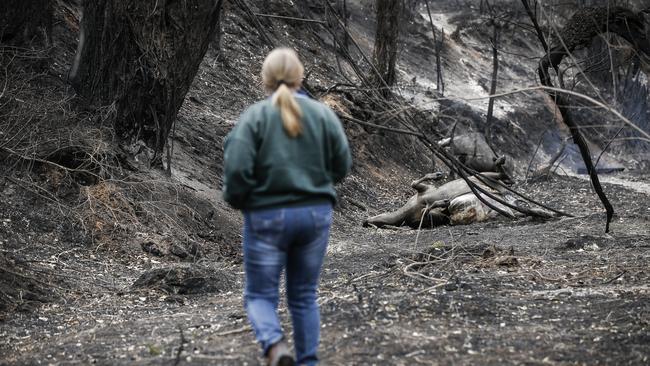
(341, 157)
(239, 164)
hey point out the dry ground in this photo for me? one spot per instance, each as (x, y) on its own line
(558, 292)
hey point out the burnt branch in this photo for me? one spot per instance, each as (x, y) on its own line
(583, 26)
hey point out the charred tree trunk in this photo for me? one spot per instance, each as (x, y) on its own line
(440, 82)
(496, 35)
(386, 36)
(583, 26)
(216, 40)
(343, 10)
(533, 18)
(140, 58)
(21, 21)
(437, 46)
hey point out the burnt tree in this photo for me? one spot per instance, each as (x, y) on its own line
(496, 37)
(216, 40)
(437, 46)
(583, 26)
(21, 21)
(498, 20)
(386, 36)
(140, 58)
(343, 9)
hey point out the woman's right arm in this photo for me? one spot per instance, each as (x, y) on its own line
(239, 164)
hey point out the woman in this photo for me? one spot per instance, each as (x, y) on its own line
(281, 162)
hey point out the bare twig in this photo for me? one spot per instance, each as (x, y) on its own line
(234, 331)
(181, 347)
(379, 127)
(290, 18)
(532, 158)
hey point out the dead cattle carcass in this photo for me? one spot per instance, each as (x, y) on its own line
(451, 203)
(473, 151)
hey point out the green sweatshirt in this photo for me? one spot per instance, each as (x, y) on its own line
(264, 167)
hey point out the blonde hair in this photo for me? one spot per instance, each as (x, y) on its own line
(282, 72)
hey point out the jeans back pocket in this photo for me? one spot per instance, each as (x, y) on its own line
(267, 225)
(322, 216)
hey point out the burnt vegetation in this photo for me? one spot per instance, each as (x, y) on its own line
(115, 246)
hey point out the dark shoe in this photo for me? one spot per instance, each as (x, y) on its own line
(279, 355)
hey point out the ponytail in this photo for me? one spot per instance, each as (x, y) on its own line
(289, 110)
(282, 73)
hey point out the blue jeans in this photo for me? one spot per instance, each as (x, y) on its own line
(294, 239)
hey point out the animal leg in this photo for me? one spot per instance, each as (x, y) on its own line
(421, 187)
(440, 204)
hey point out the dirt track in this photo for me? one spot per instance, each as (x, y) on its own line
(559, 292)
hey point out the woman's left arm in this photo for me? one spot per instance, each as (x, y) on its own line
(341, 157)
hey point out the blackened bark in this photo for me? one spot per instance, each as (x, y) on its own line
(583, 26)
(140, 57)
(386, 36)
(533, 19)
(344, 15)
(440, 81)
(496, 35)
(216, 40)
(21, 21)
(437, 46)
